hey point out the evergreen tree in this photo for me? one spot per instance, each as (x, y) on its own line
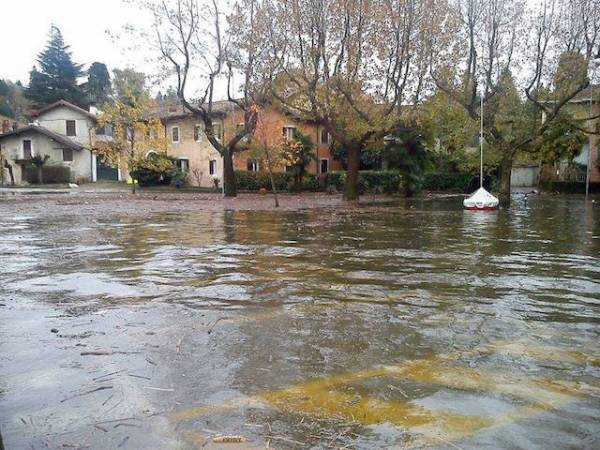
(57, 75)
(12, 100)
(5, 109)
(98, 87)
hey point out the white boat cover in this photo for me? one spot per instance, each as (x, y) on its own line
(481, 199)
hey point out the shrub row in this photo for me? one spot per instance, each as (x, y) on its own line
(50, 173)
(568, 187)
(388, 181)
(452, 181)
(254, 181)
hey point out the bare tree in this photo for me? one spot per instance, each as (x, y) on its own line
(348, 65)
(200, 47)
(513, 57)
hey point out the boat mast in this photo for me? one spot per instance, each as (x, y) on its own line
(481, 142)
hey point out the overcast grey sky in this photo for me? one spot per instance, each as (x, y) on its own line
(24, 26)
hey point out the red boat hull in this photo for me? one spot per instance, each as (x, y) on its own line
(485, 208)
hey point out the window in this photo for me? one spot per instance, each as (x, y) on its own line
(27, 149)
(67, 154)
(252, 165)
(183, 164)
(289, 132)
(71, 128)
(218, 131)
(175, 135)
(152, 133)
(105, 130)
(212, 167)
(197, 133)
(324, 137)
(324, 166)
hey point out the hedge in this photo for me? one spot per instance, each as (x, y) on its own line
(439, 181)
(387, 181)
(568, 187)
(147, 177)
(254, 181)
(50, 173)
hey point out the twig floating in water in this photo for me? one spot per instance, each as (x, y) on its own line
(101, 388)
(159, 389)
(216, 322)
(139, 376)
(229, 439)
(108, 374)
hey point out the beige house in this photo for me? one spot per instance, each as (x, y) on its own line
(189, 145)
(195, 154)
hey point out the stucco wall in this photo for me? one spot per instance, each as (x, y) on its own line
(198, 153)
(55, 120)
(524, 176)
(269, 129)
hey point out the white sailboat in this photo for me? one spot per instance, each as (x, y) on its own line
(481, 200)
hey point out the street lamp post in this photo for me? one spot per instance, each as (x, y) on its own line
(594, 63)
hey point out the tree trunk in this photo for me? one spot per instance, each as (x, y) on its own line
(351, 185)
(228, 175)
(40, 175)
(10, 173)
(270, 169)
(505, 172)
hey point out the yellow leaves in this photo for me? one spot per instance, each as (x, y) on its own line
(136, 131)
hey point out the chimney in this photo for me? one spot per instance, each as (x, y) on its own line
(93, 109)
(5, 126)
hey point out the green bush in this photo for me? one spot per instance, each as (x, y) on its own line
(149, 177)
(154, 170)
(387, 181)
(51, 174)
(335, 179)
(179, 179)
(458, 181)
(310, 182)
(253, 181)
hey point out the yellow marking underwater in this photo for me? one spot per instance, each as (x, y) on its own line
(334, 397)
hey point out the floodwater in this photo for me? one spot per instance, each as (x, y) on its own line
(411, 325)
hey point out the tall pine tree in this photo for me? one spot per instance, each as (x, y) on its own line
(98, 87)
(57, 75)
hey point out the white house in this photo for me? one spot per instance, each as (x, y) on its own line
(62, 131)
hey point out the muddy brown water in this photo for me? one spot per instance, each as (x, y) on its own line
(409, 325)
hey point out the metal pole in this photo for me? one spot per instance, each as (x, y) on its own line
(481, 144)
(589, 162)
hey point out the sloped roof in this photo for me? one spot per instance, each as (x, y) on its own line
(175, 110)
(46, 132)
(66, 104)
